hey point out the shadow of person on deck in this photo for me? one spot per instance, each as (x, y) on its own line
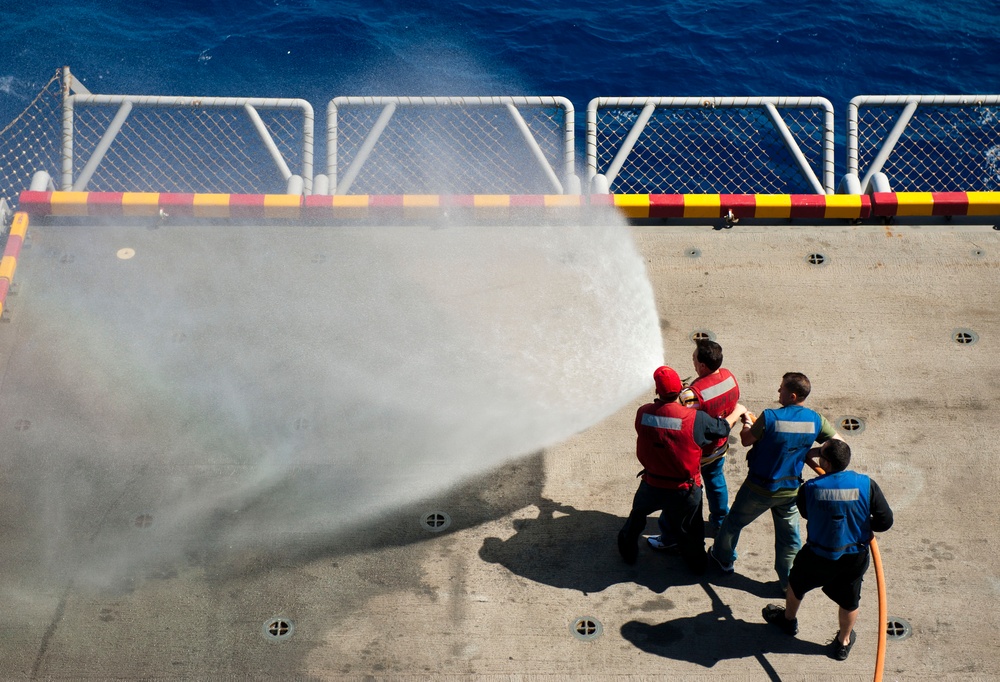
(715, 635)
(577, 549)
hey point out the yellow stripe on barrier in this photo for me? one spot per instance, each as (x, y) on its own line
(914, 203)
(19, 226)
(282, 206)
(211, 205)
(702, 205)
(140, 204)
(350, 201)
(773, 206)
(561, 200)
(843, 206)
(69, 203)
(8, 264)
(633, 205)
(491, 201)
(984, 203)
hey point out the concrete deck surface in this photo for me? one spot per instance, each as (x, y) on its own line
(85, 466)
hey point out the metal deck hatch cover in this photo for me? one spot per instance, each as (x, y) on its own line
(897, 628)
(586, 628)
(964, 337)
(851, 424)
(278, 629)
(692, 252)
(435, 521)
(817, 259)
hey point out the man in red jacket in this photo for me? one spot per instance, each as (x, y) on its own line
(669, 447)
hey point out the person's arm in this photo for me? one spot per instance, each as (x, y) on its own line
(800, 502)
(708, 429)
(881, 514)
(826, 431)
(751, 433)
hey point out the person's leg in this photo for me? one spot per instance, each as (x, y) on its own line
(786, 538)
(847, 620)
(716, 492)
(792, 604)
(685, 513)
(747, 506)
(645, 502)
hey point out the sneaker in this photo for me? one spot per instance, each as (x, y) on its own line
(842, 651)
(726, 568)
(657, 542)
(629, 551)
(775, 615)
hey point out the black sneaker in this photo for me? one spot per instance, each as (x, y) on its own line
(629, 552)
(842, 651)
(775, 615)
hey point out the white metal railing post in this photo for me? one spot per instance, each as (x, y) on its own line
(268, 141)
(633, 136)
(888, 145)
(366, 148)
(793, 148)
(102, 147)
(536, 151)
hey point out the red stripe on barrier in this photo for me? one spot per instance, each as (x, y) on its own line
(950, 203)
(13, 248)
(385, 201)
(808, 206)
(104, 203)
(666, 205)
(884, 204)
(742, 205)
(35, 203)
(458, 201)
(246, 205)
(602, 200)
(178, 204)
(4, 288)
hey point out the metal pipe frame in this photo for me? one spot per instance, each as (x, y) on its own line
(247, 103)
(827, 185)
(569, 159)
(910, 103)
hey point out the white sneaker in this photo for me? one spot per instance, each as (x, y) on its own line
(656, 542)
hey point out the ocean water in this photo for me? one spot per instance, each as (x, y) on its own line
(318, 49)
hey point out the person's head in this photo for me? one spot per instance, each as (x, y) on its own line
(837, 454)
(668, 384)
(707, 357)
(794, 388)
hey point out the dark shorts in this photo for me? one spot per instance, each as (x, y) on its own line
(840, 578)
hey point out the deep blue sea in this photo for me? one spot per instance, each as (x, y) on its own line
(318, 49)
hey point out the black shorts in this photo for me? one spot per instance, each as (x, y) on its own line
(840, 578)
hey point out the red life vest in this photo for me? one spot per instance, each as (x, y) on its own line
(665, 445)
(718, 394)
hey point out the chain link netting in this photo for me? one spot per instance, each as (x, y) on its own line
(943, 149)
(186, 149)
(31, 142)
(449, 149)
(691, 150)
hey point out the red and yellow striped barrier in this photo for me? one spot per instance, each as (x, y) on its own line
(8, 263)
(715, 206)
(890, 204)
(686, 206)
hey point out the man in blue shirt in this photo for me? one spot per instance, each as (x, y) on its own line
(781, 440)
(842, 509)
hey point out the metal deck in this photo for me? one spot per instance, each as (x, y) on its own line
(104, 426)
